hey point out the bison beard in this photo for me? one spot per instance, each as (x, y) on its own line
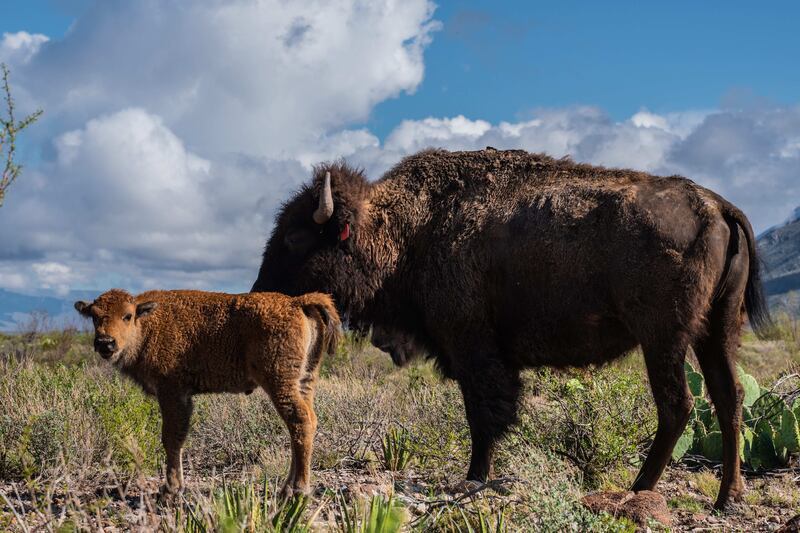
(494, 261)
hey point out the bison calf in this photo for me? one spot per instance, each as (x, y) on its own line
(176, 344)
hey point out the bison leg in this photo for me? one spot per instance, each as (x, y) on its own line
(491, 393)
(176, 412)
(718, 369)
(673, 403)
(716, 353)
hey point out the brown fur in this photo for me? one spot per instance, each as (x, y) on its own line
(176, 344)
(494, 261)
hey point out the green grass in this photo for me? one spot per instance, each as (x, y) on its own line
(686, 502)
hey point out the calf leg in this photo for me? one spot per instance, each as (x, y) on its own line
(673, 401)
(302, 424)
(491, 394)
(176, 412)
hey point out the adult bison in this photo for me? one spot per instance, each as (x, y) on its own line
(494, 261)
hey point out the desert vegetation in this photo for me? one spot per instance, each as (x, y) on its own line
(10, 127)
(80, 449)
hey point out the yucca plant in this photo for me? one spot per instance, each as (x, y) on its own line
(382, 515)
(484, 523)
(243, 508)
(397, 448)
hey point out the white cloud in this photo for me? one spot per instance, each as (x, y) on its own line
(749, 156)
(124, 198)
(55, 276)
(18, 48)
(413, 135)
(264, 78)
(167, 155)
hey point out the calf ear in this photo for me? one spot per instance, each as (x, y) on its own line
(83, 308)
(144, 309)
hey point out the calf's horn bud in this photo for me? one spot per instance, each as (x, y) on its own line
(325, 210)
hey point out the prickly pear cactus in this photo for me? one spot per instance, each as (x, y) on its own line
(684, 443)
(712, 446)
(788, 435)
(750, 386)
(770, 428)
(763, 453)
(694, 379)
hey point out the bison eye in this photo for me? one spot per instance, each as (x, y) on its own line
(127, 318)
(299, 241)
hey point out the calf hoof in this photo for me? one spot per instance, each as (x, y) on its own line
(290, 491)
(168, 495)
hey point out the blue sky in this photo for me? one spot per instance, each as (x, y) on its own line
(174, 129)
(501, 60)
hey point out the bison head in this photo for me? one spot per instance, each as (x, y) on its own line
(116, 317)
(317, 242)
(332, 237)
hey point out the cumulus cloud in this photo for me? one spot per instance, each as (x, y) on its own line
(263, 77)
(166, 156)
(130, 200)
(173, 130)
(751, 156)
(18, 48)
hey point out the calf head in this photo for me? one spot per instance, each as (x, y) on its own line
(116, 316)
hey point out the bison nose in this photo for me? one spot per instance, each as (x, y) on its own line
(105, 345)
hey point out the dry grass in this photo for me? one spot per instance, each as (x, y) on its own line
(80, 448)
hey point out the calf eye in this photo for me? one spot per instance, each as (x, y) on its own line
(127, 318)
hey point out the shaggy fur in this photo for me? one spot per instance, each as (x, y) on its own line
(176, 344)
(494, 261)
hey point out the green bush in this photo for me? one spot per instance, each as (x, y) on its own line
(131, 423)
(598, 420)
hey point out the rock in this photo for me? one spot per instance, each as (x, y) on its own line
(636, 506)
(792, 526)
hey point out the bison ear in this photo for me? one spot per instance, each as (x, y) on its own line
(144, 309)
(83, 308)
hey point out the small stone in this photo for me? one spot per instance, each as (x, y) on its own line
(792, 526)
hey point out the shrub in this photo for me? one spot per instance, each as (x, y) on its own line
(598, 420)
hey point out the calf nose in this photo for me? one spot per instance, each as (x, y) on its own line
(105, 344)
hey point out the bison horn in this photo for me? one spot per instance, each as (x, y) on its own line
(325, 210)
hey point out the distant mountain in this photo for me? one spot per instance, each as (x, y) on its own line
(780, 251)
(17, 310)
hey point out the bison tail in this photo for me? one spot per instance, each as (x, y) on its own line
(755, 303)
(319, 307)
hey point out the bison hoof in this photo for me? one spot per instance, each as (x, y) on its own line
(726, 502)
(466, 485)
